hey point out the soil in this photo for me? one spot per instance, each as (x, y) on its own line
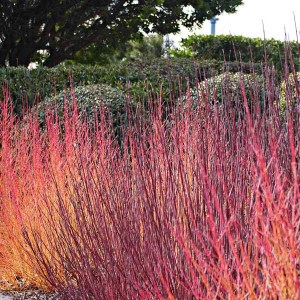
(28, 295)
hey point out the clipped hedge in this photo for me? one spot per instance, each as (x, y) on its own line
(225, 89)
(165, 75)
(236, 48)
(290, 84)
(173, 74)
(37, 84)
(89, 99)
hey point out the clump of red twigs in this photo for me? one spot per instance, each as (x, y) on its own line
(201, 203)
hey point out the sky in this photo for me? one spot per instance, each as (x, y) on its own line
(276, 15)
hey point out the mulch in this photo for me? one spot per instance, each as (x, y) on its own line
(31, 295)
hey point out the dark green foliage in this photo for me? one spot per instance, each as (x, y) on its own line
(146, 47)
(34, 85)
(89, 100)
(229, 84)
(237, 48)
(225, 89)
(61, 28)
(289, 91)
(31, 86)
(163, 75)
(143, 77)
(170, 76)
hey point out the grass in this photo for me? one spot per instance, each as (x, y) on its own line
(200, 202)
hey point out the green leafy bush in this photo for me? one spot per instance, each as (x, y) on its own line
(290, 85)
(137, 49)
(226, 89)
(89, 99)
(172, 68)
(169, 76)
(36, 84)
(236, 48)
(166, 75)
(144, 77)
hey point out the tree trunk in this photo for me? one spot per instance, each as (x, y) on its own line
(54, 60)
(4, 52)
(2, 59)
(22, 55)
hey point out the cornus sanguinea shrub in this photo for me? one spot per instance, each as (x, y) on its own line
(200, 203)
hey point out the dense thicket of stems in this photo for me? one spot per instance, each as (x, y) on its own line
(199, 204)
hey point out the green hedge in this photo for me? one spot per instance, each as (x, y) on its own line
(36, 84)
(291, 85)
(89, 99)
(171, 73)
(236, 48)
(227, 87)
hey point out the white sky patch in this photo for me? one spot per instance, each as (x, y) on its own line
(277, 16)
(188, 9)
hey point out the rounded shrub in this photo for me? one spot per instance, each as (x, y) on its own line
(226, 89)
(288, 91)
(89, 99)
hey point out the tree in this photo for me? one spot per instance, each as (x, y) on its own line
(61, 28)
(150, 47)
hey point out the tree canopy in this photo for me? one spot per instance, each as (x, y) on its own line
(146, 47)
(61, 28)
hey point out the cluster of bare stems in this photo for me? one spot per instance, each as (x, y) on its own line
(199, 202)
